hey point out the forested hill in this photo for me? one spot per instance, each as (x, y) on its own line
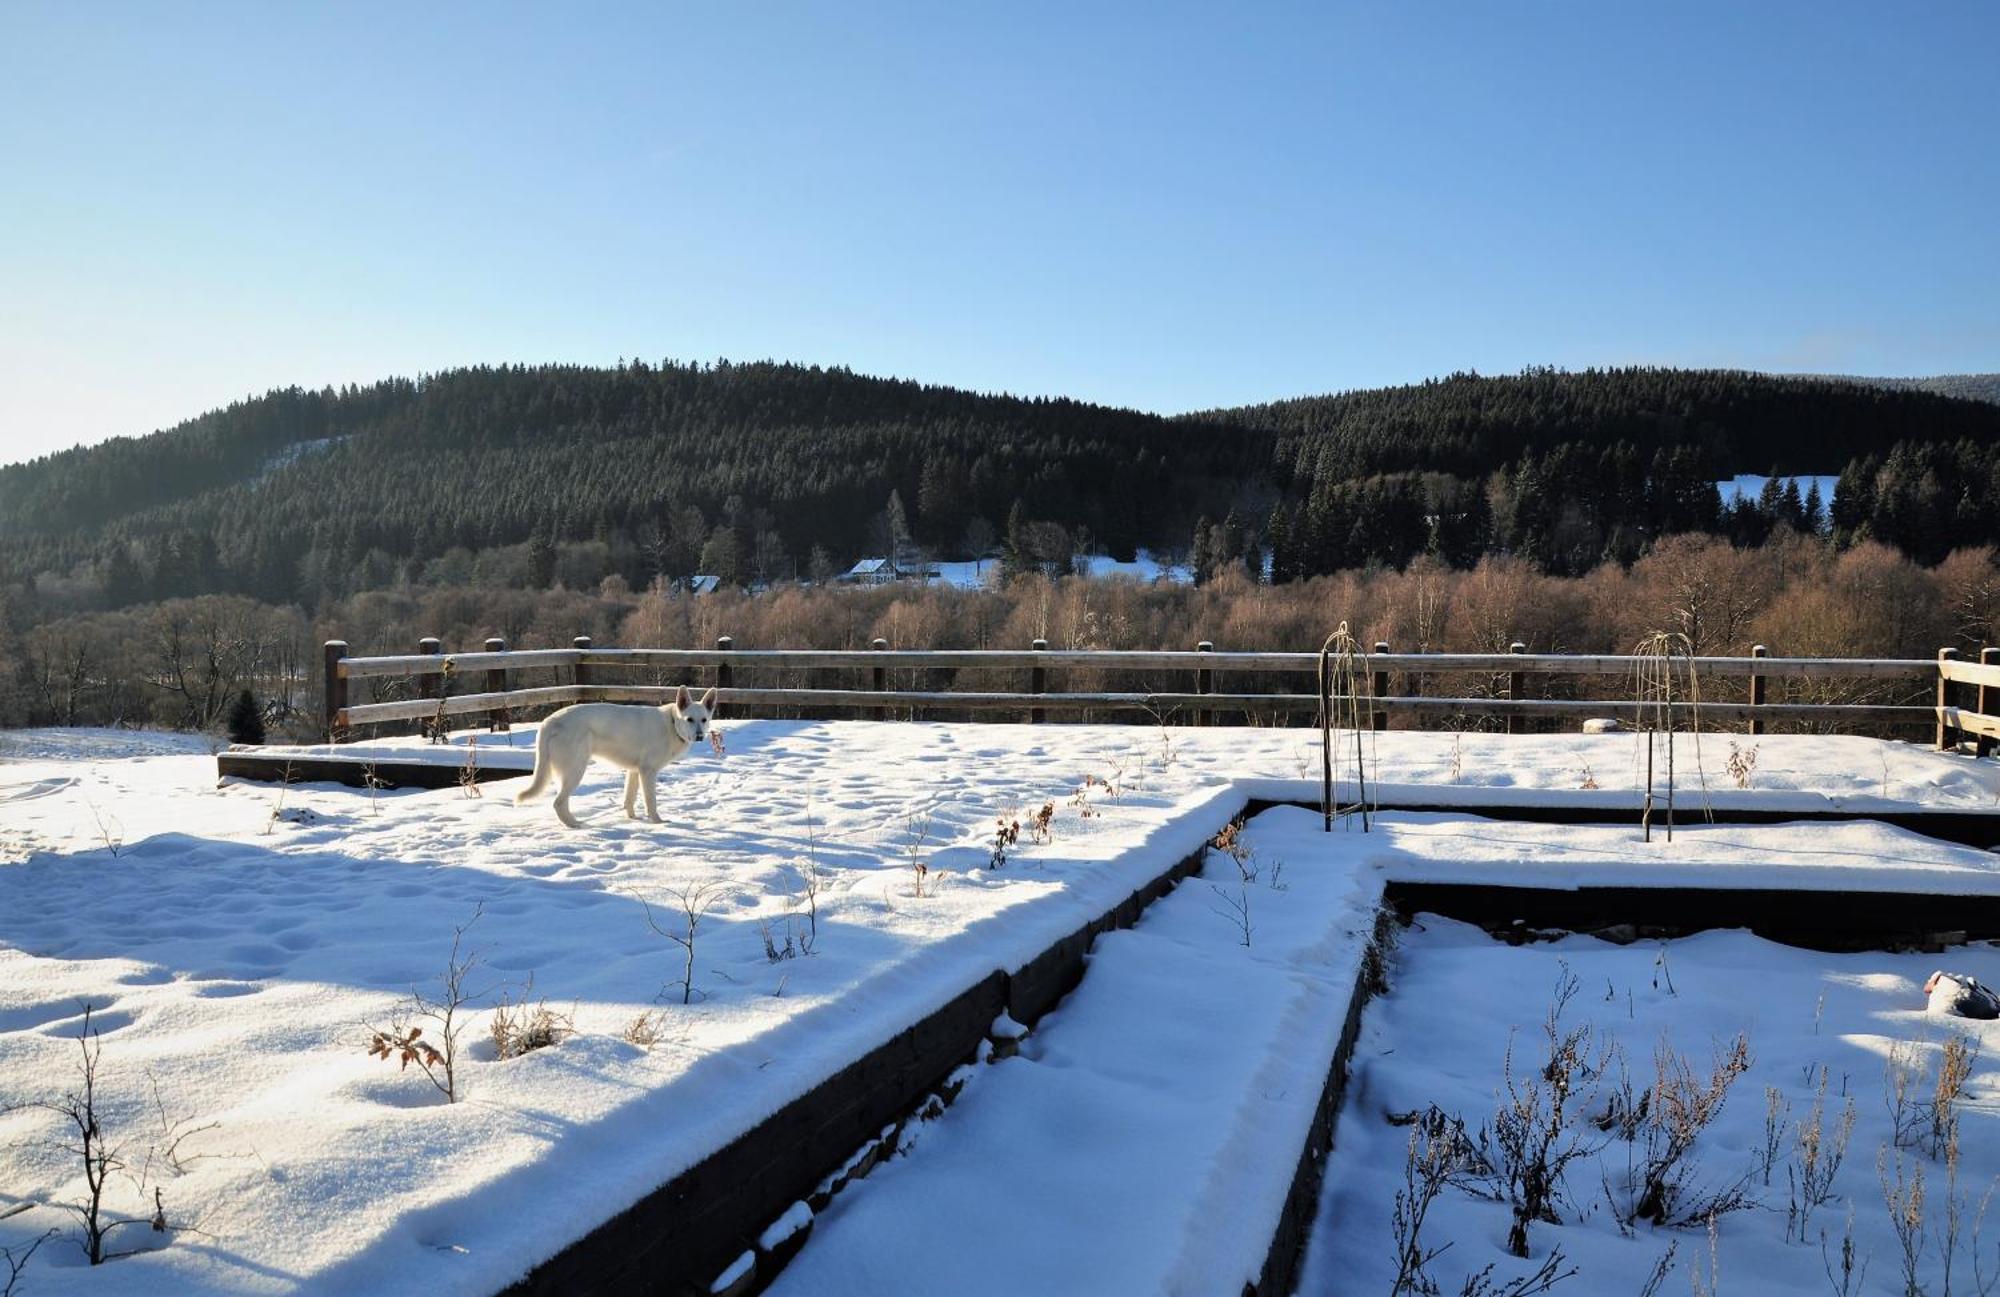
(1970, 387)
(764, 470)
(312, 483)
(1739, 422)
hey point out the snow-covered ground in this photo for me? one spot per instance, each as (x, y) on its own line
(83, 743)
(1752, 486)
(1143, 1139)
(236, 942)
(1145, 567)
(1458, 999)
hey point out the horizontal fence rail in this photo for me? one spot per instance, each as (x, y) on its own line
(1967, 693)
(1139, 660)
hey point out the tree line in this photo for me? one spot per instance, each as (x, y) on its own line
(184, 662)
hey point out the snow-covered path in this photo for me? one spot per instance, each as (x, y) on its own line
(1143, 1140)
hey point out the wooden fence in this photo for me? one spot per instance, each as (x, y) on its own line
(493, 683)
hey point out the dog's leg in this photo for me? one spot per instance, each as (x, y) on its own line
(569, 780)
(563, 812)
(631, 794)
(647, 778)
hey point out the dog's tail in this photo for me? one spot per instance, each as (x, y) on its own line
(540, 780)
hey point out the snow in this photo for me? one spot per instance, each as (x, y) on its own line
(1458, 999)
(796, 1217)
(973, 575)
(1143, 1138)
(80, 743)
(737, 1269)
(236, 954)
(293, 453)
(1751, 485)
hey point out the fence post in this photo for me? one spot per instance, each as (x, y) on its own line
(725, 675)
(1981, 744)
(1204, 682)
(336, 691)
(580, 674)
(1380, 688)
(1759, 685)
(881, 676)
(1516, 682)
(430, 684)
(1946, 735)
(1038, 682)
(499, 719)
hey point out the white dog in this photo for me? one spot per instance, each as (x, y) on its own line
(641, 740)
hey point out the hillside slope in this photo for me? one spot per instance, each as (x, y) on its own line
(746, 468)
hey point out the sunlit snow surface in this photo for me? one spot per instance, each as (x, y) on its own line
(1457, 999)
(235, 941)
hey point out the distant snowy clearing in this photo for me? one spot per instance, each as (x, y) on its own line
(237, 943)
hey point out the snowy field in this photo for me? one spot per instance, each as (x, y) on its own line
(970, 575)
(238, 943)
(1827, 1038)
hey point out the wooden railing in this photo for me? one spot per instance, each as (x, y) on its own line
(489, 683)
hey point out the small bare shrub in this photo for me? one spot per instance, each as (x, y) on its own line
(1777, 1117)
(104, 1156)
(111, 832)
(445, 1009)
(1081, 798)
(1544, 1279)
(1536, 1134)
(174, 1132)
(918, 827)
(1903, 1195)
(1742, 764)
(1820, 1153)
(1657, 1277)
(17, 1261)
(1684, 1104)
(1955, 1061)
(1426, 1170)
(1041, 825)
(693, 902)
(1231, 844)
(1006, 836)
(1846, 1276)
(646, 1030)
(520, 1028)
(277, 803)
(468, 774)
(1235, 906)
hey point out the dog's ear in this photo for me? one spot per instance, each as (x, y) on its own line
(681, 698)
(708, 700)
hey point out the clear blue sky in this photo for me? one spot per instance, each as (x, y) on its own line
(1168, 207)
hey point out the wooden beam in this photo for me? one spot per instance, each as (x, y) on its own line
(1879, 713)
(336, 690)
(417, 664)
(464, 704)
